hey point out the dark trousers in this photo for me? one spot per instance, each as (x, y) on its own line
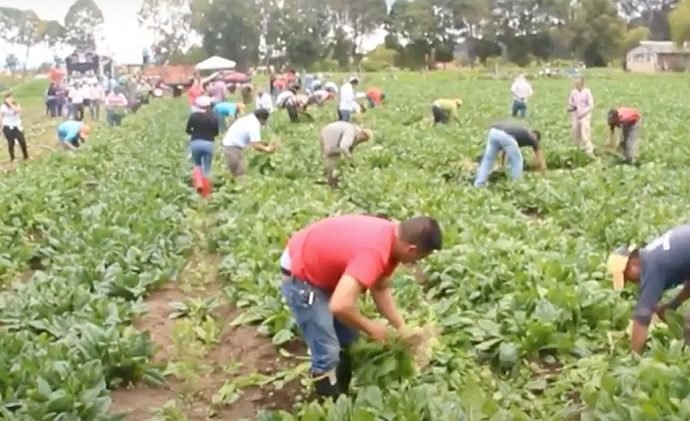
(440, 116)
(78, 111)
(13, 134)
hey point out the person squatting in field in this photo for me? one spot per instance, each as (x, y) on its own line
(338, 139)
(202, 128)
(225, 111)
(444, 110)
(243, 132)
(11, 123)
(375, 97)
(296, 106)
(655, 268)
(580, 105)
(628, 120)
(508, 137)
(72, 134)
(327, 265)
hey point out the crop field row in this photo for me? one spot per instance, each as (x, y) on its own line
(530, 327)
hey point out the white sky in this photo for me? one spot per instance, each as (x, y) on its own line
(121, 28)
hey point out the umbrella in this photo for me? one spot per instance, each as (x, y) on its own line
(215, 63)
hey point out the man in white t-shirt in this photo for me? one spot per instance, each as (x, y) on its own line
(521, 90)
(264, 101)
(76, 99)
(348, 102)
(245, 131)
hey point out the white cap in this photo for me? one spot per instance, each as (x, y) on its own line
(203, 101)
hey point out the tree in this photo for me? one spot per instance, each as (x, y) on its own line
(11, 62)
(679, 21)
(633, 37)
(81, 18)
(25, 29)
(170, 22)
(357, 19)
(598, 32)
(229, 28)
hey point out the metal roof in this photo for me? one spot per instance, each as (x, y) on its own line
(665, 47)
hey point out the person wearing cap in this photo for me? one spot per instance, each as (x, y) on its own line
(72, 133)
(202, 128)
(375, 97)
(655, 268)
(339, 139)
(507, 137)
(225, 111)
(348, 101)
(628, 120)
(443, 110)
(243, 132)
(328, 265)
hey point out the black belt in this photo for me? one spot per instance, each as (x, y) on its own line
(286, 272)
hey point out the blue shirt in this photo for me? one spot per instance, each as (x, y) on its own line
(665, 265)
(225, 109)
(69, 130)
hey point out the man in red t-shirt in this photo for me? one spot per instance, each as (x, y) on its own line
(629, 121)
(328, 265)
(375, 97)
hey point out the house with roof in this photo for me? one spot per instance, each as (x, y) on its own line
(658, 56)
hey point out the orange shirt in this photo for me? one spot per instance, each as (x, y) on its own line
(356, 245)
(628, 116)
(375, 95)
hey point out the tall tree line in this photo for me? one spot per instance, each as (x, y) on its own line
(332, 33)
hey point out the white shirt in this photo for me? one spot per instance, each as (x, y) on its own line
(76, 96)
(264, 102)
(245, 130)
(10, 117)
(330, 86)
(521, 89)
(283, 97)
(347, 97)
(85, 92)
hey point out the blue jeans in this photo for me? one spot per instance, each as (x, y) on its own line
(202, 154)
(498, 141)
(519, 108)
(324, 334)
(344, 115)
(222, 123)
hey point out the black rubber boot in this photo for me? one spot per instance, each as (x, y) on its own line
(344, 371)
(326, 387)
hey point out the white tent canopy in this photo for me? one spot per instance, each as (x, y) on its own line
(216, 63)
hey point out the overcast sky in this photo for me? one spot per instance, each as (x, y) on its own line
(121, 28)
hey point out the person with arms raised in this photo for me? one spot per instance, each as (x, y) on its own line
(328, 265)
(245, 131)
(659, 266)
(508, 137)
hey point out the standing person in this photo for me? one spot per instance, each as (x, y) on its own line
(227, 110)
(628, 120)
(263, 101)
(76, 98)
(72, 133)
(97, 98)
(348, 100)
(339, 139)
(11, 122)
(657, 267)
(196, 90)
(219, 90)
(243, 132)
(52, 100)
(202, 127)
(580, 105)
(115, 107)
(521, 90)
(86, 94)
(328, 265)
(375, 97)
(444, 110)
(508, 137)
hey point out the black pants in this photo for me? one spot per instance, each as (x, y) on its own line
(79, 112)
(292, 113)
(13, 134)
(440, 116)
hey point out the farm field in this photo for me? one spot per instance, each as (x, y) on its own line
(124, 293)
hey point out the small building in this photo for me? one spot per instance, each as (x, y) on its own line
(657, 56)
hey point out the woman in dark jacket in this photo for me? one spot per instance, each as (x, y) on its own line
(202, 127)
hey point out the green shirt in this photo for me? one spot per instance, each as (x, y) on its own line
(448, 105)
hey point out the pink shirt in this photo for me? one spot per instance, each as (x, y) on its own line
(582, 101)
(115, 100)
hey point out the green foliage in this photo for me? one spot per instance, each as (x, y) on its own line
(679, 21)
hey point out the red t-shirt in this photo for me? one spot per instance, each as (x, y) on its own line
(356, 245)
(375, 95)
(628, 115)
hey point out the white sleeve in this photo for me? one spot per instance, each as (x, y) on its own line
(255, 133)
